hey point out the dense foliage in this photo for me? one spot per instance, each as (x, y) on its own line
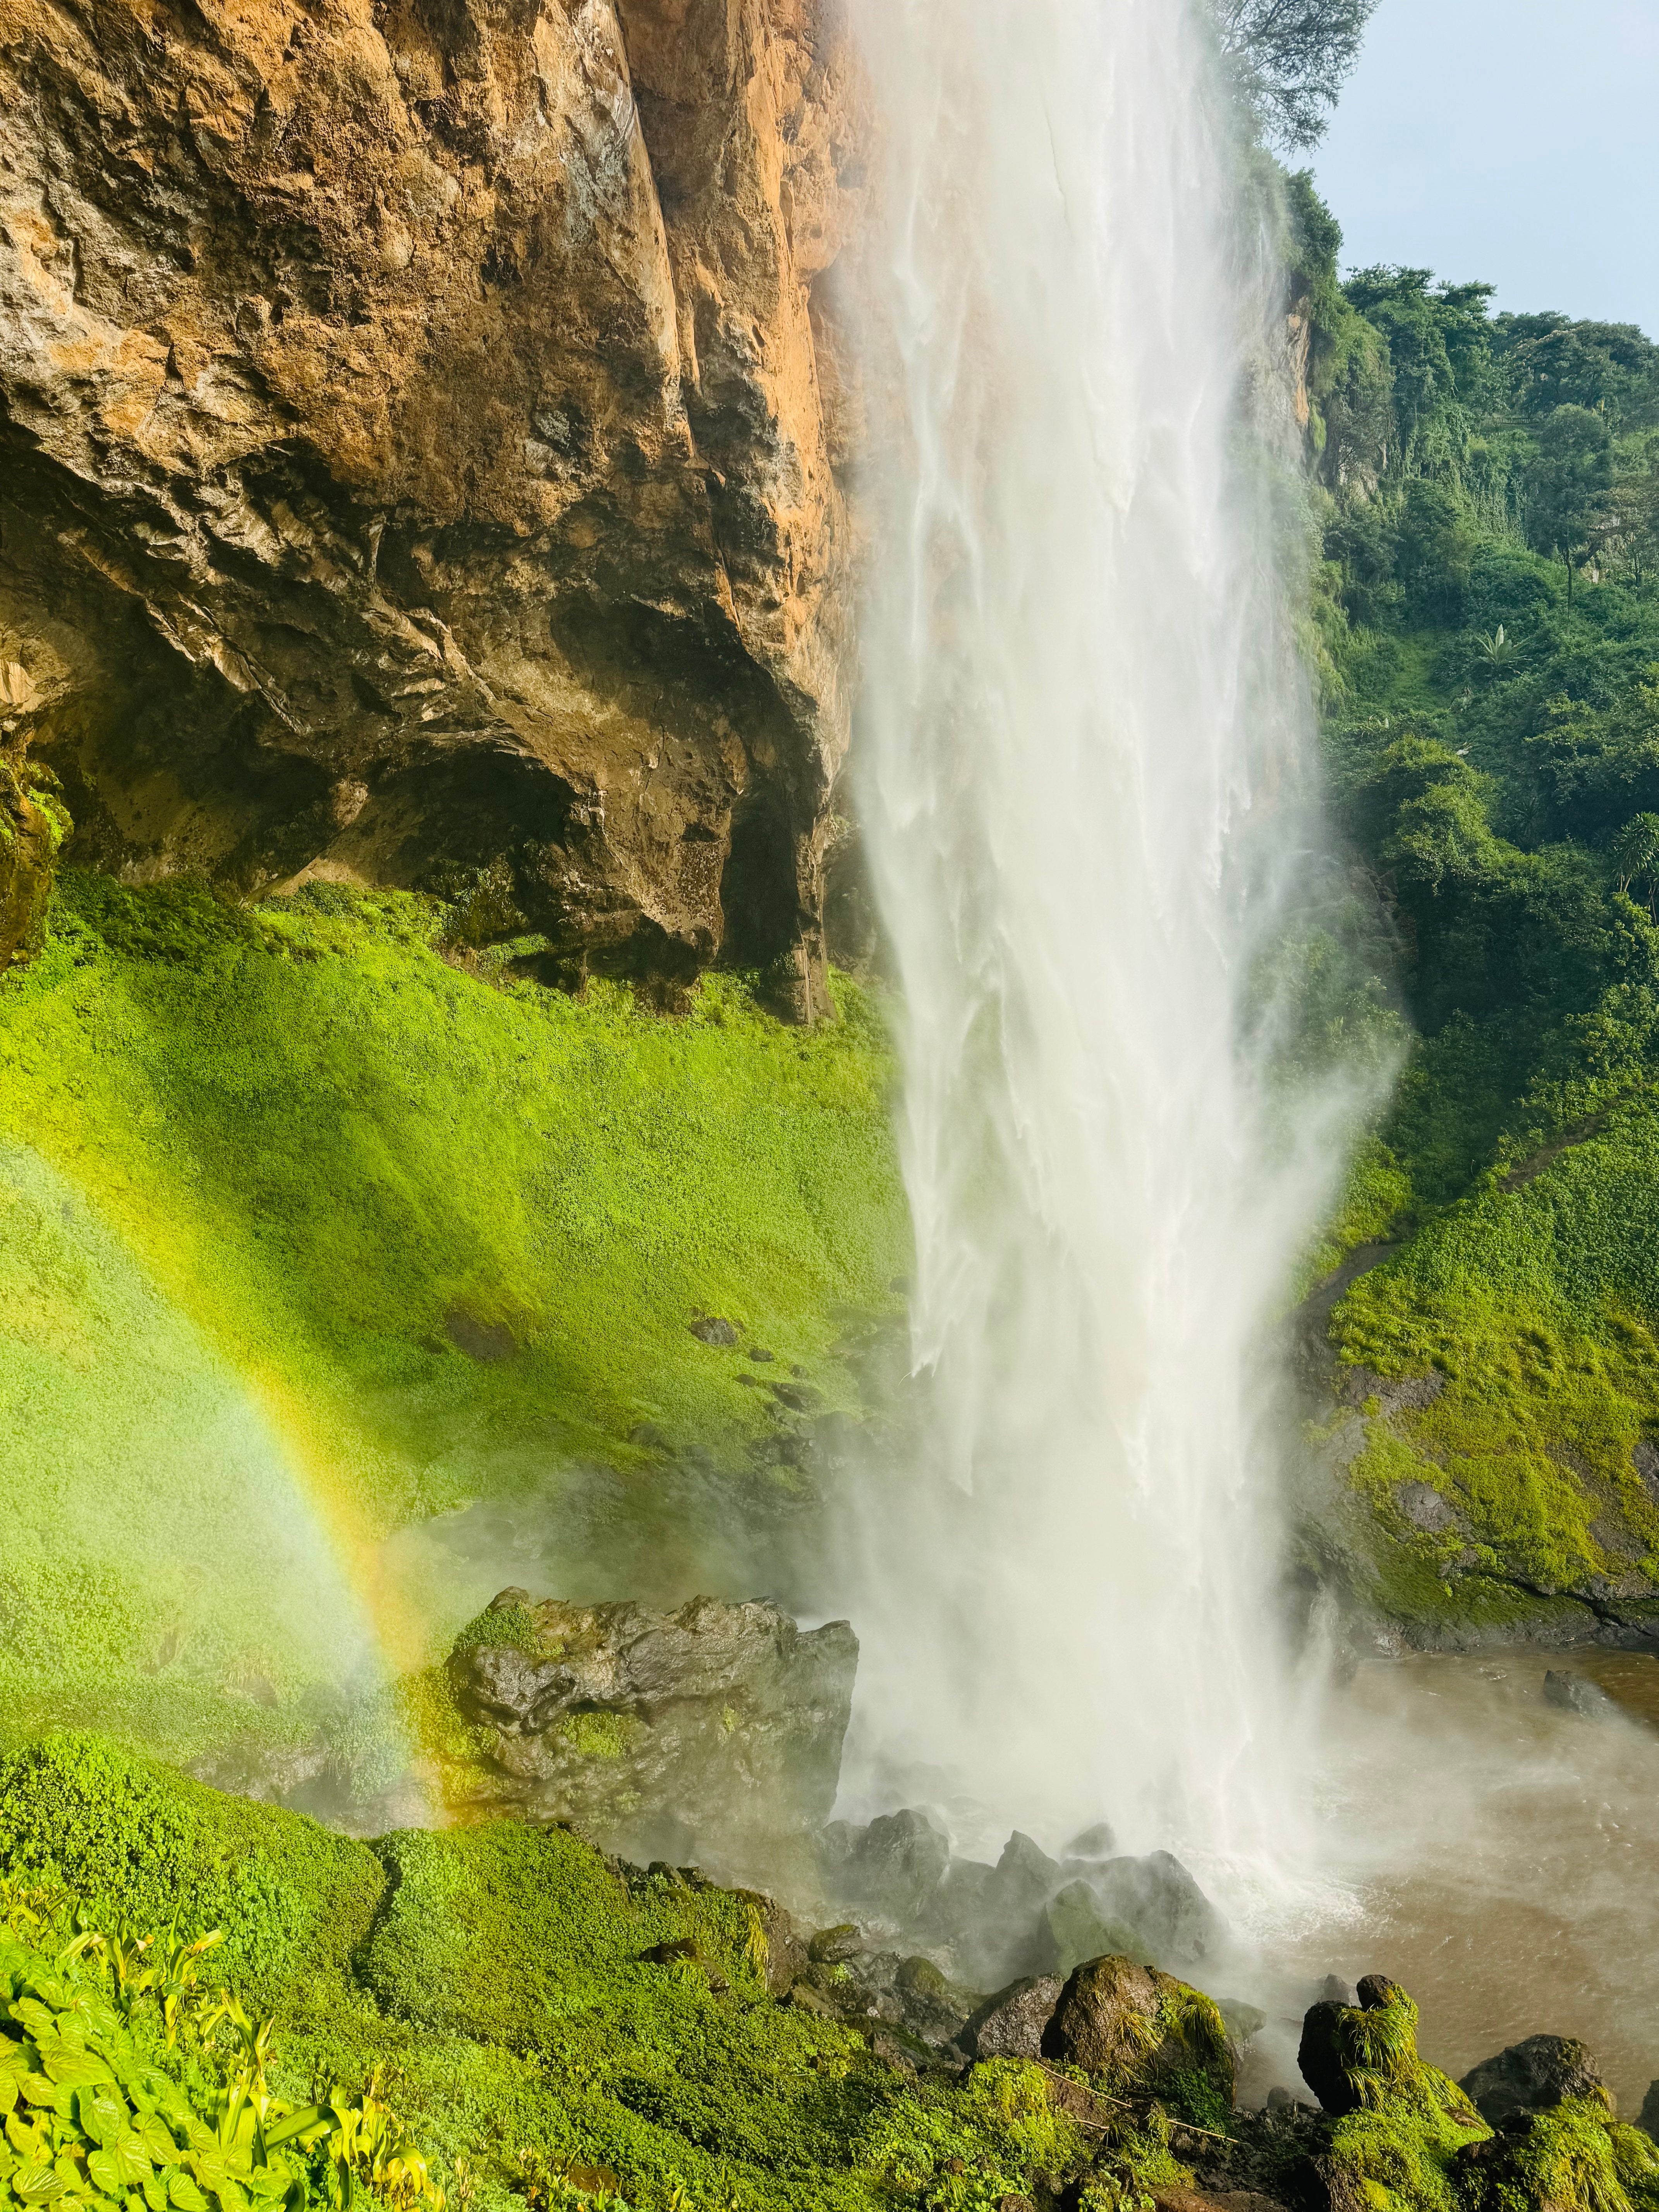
(1487, 500)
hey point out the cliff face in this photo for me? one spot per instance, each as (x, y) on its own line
(414, 447)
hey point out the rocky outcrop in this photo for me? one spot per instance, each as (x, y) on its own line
(663, 1733)
(1531, 2077)
(417, 444)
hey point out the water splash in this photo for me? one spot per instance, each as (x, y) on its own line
(1085, 793)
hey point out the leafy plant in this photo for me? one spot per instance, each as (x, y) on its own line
(95, 2116)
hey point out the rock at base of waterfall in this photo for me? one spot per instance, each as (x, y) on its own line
(1243, 2022)
(666, 1736)
(1078, 1928)
(893, 1867)
(1576, 1693)
(1647, 2117)
(1139, 2028)
(1099, 1842)
(1530, 2077)
(1160, 1912)
(1010, 2025)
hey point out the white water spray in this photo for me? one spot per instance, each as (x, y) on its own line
(1083, 737)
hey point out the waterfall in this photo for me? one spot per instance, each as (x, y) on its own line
(1083, 747)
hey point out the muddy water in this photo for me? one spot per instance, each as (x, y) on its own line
(1498, 1855)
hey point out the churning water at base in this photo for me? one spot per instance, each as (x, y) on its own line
(1083, 736)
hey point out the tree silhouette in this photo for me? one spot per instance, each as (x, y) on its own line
(1289, 59)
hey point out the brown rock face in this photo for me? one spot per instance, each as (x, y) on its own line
(412, 442)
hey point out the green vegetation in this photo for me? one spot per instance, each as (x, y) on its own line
(309, 1230)
(545, 2025)
(1487, 635)
(128, 2085)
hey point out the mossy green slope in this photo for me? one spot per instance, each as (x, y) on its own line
(529, 2007)
(261, 1168)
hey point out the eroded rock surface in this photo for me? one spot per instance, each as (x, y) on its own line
(663, 1733)
(414, 445)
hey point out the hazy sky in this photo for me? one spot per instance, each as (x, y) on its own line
(1516, 141)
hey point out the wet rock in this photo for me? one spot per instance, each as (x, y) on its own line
(1243, 2022)
(1164, 1908)
(1026, 1874)
(1138, 2029)
(1530, 2077)
(1647, 2117)
(1423, 1505)
(759, 1352)
(1644, 1458)
(1097, 1843)
(1346, 2057)
(710, 1328)
(1576, 1693)
(1334, 1991)
(1281, 2099)
(719, 1722)
(897, 1864)
(908, 1994)
(1010, 2025)
(1077, 1929)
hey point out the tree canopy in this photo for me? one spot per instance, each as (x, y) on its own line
(1289, 59)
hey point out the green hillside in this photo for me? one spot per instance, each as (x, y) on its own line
(1487, 626)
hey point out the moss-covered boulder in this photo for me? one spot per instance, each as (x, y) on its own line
(1140, 2033)
(1574, 2157)
(1399, 2124)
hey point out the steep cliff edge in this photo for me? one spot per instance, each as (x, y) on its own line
(414, 456)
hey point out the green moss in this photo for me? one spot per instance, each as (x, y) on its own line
(512, 1992)
(140, 1843)
(264, 1172)
(1396, 2151)
(1537, 1310)
(598, 1735)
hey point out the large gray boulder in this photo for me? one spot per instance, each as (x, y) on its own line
(705, 1728)
(1161, 1910)
(1010, 2025)
(1530, 2077)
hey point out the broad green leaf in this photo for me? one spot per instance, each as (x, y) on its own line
(39, 2088)
(156, 2136)
(105, 2168)
(156, 2191)
(134, 2154)
(103, 2113)
(72, 2065)
(24, 2140)
(183, 2193)
(38, 2185)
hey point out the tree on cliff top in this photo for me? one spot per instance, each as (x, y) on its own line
(1289, 59)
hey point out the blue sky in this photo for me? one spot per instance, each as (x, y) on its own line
(1508, 140)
